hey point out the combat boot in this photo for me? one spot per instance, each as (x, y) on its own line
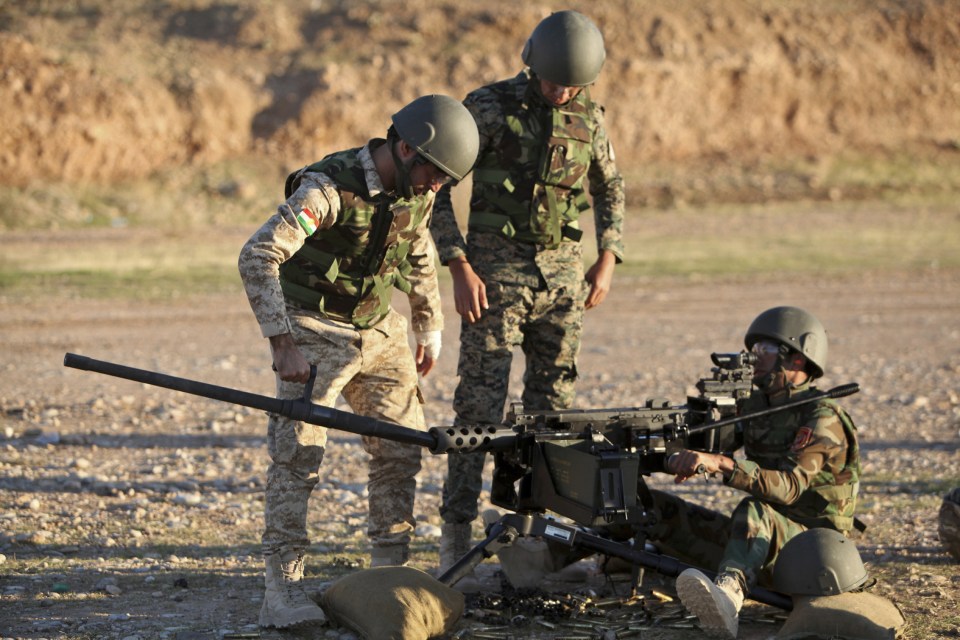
(716, 604)
(456, 542)
(285, 603)
(394, 555)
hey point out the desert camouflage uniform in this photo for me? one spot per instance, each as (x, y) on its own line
(362, 353)
(523, 242)
(802, 469)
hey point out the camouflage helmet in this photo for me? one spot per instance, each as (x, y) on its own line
(818, 562)
(442, 131)
(566, 48)
(798, 329)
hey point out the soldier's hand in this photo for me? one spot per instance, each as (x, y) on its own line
(424, 361)
(288, 361)
(469, 291)
(428, 350)
(686, 464)
(600, 278)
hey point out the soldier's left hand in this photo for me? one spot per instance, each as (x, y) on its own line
(600, 277)
(428, 350)
(424, 362)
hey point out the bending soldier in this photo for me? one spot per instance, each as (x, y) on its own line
(801, 469)
(519, 278)
(319, 275)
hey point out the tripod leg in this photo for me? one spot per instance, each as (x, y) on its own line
(664, 565)
(499, 535)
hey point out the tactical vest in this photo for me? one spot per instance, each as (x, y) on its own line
(348, 271)
(829, 500)
(531, 186)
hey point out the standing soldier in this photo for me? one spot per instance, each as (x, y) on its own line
(801, 469)
(519, 278)
(319, 275)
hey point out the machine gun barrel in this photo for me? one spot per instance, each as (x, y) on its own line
(437, 439)
(298, 409)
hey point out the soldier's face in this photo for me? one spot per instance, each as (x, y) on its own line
(790, 368)
(557, 94)
(426, 176)
(766, 352)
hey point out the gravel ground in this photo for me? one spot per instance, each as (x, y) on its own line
(130, 512)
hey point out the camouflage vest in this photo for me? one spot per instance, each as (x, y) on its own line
(531, 186)
(348, 271)
(830, 500)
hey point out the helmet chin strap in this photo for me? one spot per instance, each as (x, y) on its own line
(403, 184)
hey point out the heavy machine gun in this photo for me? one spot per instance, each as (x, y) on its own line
(584, 465)
(588, 465)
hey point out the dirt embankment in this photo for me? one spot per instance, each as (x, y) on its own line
(103, 91)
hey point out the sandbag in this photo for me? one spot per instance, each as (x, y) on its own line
(393, 603)
(857, 615)
(526, 562)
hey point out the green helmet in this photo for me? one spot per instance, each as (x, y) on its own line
(442, 131)
(566, 48)
(796, 328)
(818, 562)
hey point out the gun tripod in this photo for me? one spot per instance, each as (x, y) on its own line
(505, 531)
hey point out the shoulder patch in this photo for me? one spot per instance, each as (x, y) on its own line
(308, 220)
(804, 435)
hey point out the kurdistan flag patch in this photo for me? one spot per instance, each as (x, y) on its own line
(308, 220)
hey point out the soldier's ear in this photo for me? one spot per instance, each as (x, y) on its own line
(405, 151)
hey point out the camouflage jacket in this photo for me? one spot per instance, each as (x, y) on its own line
(529, 184)
(805, 462)
(318, 242)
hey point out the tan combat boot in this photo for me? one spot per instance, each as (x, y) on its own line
(285, 603)
(716, 604)
(394, 555)
(456, 542)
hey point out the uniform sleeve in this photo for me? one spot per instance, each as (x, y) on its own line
(819, 444)
(606, 187)
(314, 205)
(446, 234)
(424, 295)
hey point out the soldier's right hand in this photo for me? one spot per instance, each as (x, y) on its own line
(288, 361)
(469, 291)
(688, 463)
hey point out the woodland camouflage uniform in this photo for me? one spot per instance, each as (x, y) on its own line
(801, 469)
(323, 269)
(535, 165)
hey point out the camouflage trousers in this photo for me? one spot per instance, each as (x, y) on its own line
(745, 544)
(546, 325)
(375, 372)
